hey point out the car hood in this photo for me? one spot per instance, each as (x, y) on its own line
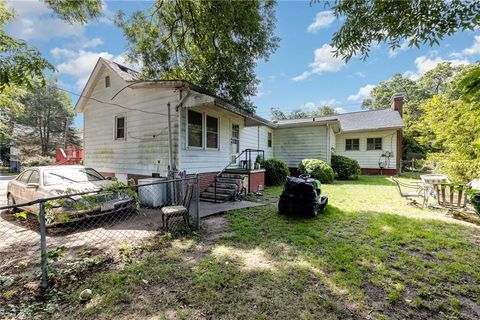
(77, 187)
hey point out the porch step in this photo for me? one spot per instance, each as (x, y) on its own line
(220, 196)
(232, 175)
(221, 190)
(225, 185)
(229, 180)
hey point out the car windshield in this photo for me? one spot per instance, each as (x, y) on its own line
(70, 175)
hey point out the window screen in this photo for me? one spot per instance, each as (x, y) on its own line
(269, 139)
(195, 129)
(212, 132)
(374, 144)
(120, 128)
(352, 144)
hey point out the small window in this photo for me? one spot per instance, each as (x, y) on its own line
(107, 81)
(212, 132)
(374, 143)
(235, 142)
(119, 128)
(195, 129)
(269, 141)
(34, 177)
(352, 144)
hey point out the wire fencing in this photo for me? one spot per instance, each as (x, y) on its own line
(50, 237)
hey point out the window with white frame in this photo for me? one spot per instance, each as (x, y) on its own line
(374, 143)
(195, 129)
(120, 127)
(352, 144)
(235, 142)
(212, 132)
(269, 140)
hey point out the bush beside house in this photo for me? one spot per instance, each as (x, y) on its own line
(276, 172)
(317, 169)
(345, 168)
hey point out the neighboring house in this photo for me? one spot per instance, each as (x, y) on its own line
(127, 131)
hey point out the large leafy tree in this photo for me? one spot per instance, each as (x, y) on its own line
(213, 44)
(19, 62)
(452, 127)
(369, 22)
(22, 64)
(47, 119)
(439, 80)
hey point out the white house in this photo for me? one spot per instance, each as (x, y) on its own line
(134, 128)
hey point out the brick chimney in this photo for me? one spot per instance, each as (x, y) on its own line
(397, 102)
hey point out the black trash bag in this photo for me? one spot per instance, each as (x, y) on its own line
(301, 197)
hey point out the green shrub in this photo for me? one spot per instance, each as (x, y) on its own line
(475, 199)
(317, 169)
(276, 172)
(345, 168)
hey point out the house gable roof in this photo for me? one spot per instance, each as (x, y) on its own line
(355, 121)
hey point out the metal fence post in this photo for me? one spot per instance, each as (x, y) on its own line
(197, 201)
(43, 243)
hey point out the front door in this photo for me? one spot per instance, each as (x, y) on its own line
(234, 141)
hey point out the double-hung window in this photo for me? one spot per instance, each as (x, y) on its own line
(195, 129)
(374, 143)
(269, 140)
(212, 132)
(120, 128)
(352, 144)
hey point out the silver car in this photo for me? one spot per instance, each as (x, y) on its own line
(51, 181)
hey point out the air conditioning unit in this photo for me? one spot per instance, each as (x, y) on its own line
(154, 194)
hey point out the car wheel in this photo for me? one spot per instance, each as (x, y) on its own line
(11, 202)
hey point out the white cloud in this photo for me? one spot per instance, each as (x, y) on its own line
(78, 64)
(324, 61)
(363, 93)
(322, 20)
(470, 51)
(425, 64)
(339, 110)
(90, 43)
(34, 21)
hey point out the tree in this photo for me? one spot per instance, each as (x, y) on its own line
(47, 118)
(321, 111)
(436, 81)
(76, 11)
(22, 64)
(453, 129)
(368, 23)
(213, 44)
(19, 62)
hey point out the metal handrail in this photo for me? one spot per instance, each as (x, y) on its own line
(248, 159)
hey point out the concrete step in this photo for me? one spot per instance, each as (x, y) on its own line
(221, 190)
(211, 195)
(225, 185)
(229, 180)
(232, 175)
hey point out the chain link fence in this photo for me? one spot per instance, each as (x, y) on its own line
(45, 237)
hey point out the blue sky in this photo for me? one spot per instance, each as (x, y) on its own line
(302, 73)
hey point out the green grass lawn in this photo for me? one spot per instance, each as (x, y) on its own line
(368, 256)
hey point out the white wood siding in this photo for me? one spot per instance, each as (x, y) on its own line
(369, 159)
(292, 145)
(195, 160)
(257, 138)
(141, 152)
